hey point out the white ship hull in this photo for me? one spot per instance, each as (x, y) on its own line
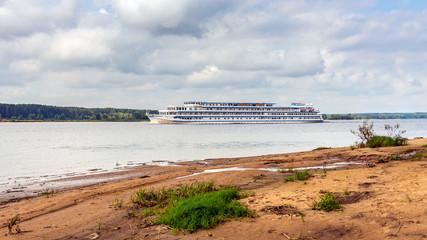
(160, 120)
(230, 112)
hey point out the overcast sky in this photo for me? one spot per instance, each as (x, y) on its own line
(342, 56)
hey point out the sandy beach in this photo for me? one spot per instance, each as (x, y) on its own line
(385, 199)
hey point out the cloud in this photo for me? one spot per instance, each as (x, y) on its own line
(81, 46)
(30, 65)
(331, 53)
(21, 18)
(151, 14)
(186, 17)
(210, 74)
(103, 11)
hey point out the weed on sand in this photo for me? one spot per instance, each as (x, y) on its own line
(205, 210)
(165, 197)
(301, 176)
(327, 203)
(48, 192)
(198, 205)
(321, 148)
(98, 225)
(286, 170)
(13, 222)
(118, 202)
(394, 157)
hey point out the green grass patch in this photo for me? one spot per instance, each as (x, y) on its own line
(118, 202)
(300, 176)
(165, 197)
(13, 222)
(394, 157)
(198, 205)
(321, 148)
(286, 170)
(205, 210)
(385, 141)
(371, 165)
(418, 156)
(48, 192)
(327, 203)
(425, 145)
(99, 224)
(346, 192)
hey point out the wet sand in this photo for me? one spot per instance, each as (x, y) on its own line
(385, 201)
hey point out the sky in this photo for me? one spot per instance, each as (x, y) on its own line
(343, 56)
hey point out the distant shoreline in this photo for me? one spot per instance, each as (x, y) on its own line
(144, 120)
(36, 121)
(47, 113)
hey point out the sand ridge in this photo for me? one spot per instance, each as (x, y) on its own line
(387, 201)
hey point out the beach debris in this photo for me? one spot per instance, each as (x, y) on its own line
(284, 209)
(92, 236)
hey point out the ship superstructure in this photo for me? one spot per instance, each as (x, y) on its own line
(236, 112)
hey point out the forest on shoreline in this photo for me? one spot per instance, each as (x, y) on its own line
(37, 112)
(356, 116)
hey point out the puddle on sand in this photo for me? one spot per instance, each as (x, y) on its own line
(323, 166)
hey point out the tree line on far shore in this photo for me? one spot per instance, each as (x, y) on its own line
(36, 112)
(356, 116)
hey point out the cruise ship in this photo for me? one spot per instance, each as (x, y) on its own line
(236, 112)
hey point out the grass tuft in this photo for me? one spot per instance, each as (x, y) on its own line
(198, 205)
(385, 141)
(346, 192)
(99, 224)
(205, 210)
(118, 202)
(321, 148)
(371, 165)
(286, 170)
(425, 145)
(395, 157)
(418, 156)
(164, 197)
(408, 198)
(301, 176)
(327, 203)
(13, 222)
(48, 192)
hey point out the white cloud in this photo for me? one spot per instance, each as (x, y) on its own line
(209, 74)
(81, 46)
(26, 66)
(18, 18)
(151, 14)
(103, 11)
(331, 53)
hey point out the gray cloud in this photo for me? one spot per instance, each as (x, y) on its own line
(156, 53)
(21, 18)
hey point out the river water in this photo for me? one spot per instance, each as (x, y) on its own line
(39, 152)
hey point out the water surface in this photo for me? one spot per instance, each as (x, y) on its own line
(38, 152)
